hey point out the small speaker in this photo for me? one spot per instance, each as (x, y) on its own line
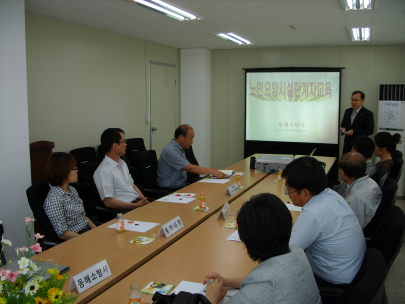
(253, 162)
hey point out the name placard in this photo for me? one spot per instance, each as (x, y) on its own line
(171, 227)
(225, 211)
(90, 277)
(232, 189)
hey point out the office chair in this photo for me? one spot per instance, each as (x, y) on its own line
(397, 153)
(134, 146)
(191, 177)
(84, 157)
(147, 165)
(389, 235)
(36, 195)
(366, 287)
(379, 176)
(397, 168)
(389, 196)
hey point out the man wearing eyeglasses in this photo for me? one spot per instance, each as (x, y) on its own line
(326, 228)
(356, 121)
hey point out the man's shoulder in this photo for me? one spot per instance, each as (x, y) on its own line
(363, 110)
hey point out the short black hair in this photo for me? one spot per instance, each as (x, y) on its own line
(182, 130)
(361, 94)
(58, 168)
(353, 164)
(306, 173)
(264, 224)
(386, 140)
(364, 145)
(109, 137)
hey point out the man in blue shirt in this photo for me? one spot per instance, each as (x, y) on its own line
(327, 228)
(173, 164)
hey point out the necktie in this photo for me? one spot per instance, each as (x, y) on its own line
(354, 113)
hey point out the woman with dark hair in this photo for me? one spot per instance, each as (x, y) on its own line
(385, 144)
(283, 274)
(63, 205)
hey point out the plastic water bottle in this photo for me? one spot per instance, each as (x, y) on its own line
(135, 295)
(203, 201)
(237, 179)
(120, 223)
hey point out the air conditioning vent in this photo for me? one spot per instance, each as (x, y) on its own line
(392, 92)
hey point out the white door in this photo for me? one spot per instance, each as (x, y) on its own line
(162, 105)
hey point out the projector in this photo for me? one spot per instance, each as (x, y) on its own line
(272, 163)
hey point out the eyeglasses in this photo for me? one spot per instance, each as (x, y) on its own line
(122, 142)
(288, 193)
(75, 168)
(356, 100)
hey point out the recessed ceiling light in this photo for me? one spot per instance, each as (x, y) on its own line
(166, 9)
(359, 33)
(348, 5)
(234, 38)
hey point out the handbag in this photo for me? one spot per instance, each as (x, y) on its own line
(181, 298)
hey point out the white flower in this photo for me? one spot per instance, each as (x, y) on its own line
(6, 242)
(38, 278)
(32, 287)
(34, 266)
(23, 271)
(23, 263)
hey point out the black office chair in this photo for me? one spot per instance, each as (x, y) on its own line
(36, 195)
(100, 152)
(389, 235)
(191, 177)
(366, 287)
(389, 196)
(147, 165)
(397, 153)
(397, 168)
(3, 258)
(134, 146)
(84, 157)
(379, 176)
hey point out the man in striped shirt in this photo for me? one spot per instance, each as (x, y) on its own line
(173, 164)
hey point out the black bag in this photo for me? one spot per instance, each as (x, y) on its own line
(181, 298)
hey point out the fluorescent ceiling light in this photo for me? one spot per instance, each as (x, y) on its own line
(234, 38)
(348, 5)
(359, 33)
(166, 9)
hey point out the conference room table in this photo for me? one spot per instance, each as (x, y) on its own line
(203, 250)
(123, 257)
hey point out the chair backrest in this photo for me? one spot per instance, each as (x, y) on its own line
(380, 175)
(397, 168)
(84, 157)
(147, 164)
(134, 146)
(36, 195)
(389, 194)
(191, 158)
(367, 285)
(100, 152)
(397, 153)
(40, 152)
(389, 236)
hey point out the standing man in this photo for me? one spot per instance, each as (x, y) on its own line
(356, 121)
(112, 178)
(173, 164)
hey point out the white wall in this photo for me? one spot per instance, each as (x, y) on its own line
(196, 100)
(15, 175)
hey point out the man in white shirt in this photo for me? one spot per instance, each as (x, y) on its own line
(362, 193)
(112, 178)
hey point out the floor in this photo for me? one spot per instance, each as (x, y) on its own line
(395, 282)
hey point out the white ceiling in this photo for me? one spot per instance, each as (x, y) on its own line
(267, 23)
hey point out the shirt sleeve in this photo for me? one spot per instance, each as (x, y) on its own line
(305, 230)
(258, 293)
(54, 210)
(105, 184)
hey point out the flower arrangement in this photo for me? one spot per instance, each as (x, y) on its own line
(28, 285)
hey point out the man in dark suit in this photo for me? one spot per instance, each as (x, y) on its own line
(356, 121)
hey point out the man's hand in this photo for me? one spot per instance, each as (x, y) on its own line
(214, 291)
(143, 201)
(342, 130)
(217, 173)
(350, 133)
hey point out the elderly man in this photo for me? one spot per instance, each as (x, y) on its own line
(362, 193)
(326, 228)
(112, 178)
(173, 164)
(356, 121)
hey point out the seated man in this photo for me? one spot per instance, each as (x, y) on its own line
(283, 274)
(112, 178)
(173, 164)
(365, 146)
(362, 194)
(326, 228)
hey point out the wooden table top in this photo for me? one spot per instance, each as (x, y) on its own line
(101, 243)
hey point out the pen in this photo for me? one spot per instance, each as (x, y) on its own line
(182, 194)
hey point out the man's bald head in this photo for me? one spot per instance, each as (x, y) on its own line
(182, 130)
(353, 164)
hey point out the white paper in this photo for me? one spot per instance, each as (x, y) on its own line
(176, 199)
(90, 276)
(234, 236)
(171, 227)
(183, 194)
(293, 208)
(214, 181)
(137, 226)
(391, 114)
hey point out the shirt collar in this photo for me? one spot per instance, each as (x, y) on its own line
(356, 181)
(312, 198)
(59, 191)
(112, 162)
(176, 144)
(358, 110)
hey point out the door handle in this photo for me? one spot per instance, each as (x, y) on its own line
(153, 129)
